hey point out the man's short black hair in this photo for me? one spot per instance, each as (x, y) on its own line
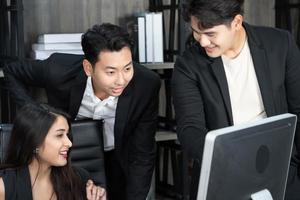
(212, 12)
(104, 37)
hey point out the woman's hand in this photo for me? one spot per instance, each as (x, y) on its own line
(94, 192)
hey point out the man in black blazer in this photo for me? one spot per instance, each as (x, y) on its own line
(233, 73)
(102, 84)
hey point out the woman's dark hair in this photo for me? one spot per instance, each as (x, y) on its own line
(211, 12)
(104, 37)
(29, 131)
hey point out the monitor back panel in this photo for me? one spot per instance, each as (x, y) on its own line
(239, 161)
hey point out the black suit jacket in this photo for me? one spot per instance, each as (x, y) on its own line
(201, 95)
(64, 80)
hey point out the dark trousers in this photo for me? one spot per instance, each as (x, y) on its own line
(293, 184)
(195, 180)
(115, 178)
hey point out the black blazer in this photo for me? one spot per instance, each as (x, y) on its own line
(64, 80)
(200, 90)
(202, 101)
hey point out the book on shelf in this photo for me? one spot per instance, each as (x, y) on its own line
(141, 39)
(157, 30)
(44, 54)
(60, 38)
(149, 38)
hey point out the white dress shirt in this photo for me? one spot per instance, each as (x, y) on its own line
(92, 107)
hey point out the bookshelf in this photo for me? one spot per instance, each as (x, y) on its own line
(165, 70)
(12, 30)
(158, 66)
(287, 15)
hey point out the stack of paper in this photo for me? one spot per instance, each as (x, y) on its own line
(57, 43)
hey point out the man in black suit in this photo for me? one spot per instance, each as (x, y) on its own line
(104, 84)
(233, 73)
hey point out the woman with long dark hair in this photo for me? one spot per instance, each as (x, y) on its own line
(37, 164)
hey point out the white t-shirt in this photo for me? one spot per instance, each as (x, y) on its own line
(244, 91)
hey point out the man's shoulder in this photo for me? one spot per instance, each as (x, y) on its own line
(64, 66)
(193, 58)
(66, 57)
(265, 32)
(68, 60)
(269, 38)
(142, 73)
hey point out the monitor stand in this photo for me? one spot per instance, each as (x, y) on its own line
(262, 195)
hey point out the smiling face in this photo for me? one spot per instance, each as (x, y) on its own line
(220, 39)
(54, 150)
(111, 73)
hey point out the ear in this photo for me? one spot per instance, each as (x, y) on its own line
(237, 22)
(87, 67)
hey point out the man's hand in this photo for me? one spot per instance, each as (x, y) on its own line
(94, 192)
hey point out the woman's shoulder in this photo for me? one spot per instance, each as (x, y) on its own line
(13, 171)
(10, 172)
(83, 174)
(2, 190)
(10, 175)
(15, 179)
(8, 179)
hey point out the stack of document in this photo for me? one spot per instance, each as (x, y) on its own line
(57, 43)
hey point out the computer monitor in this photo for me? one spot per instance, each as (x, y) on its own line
(248, 161)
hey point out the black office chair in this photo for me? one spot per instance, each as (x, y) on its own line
(87, 149)
(5, 130)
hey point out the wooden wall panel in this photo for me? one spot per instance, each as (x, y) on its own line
(63, 16)
(258, 12)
